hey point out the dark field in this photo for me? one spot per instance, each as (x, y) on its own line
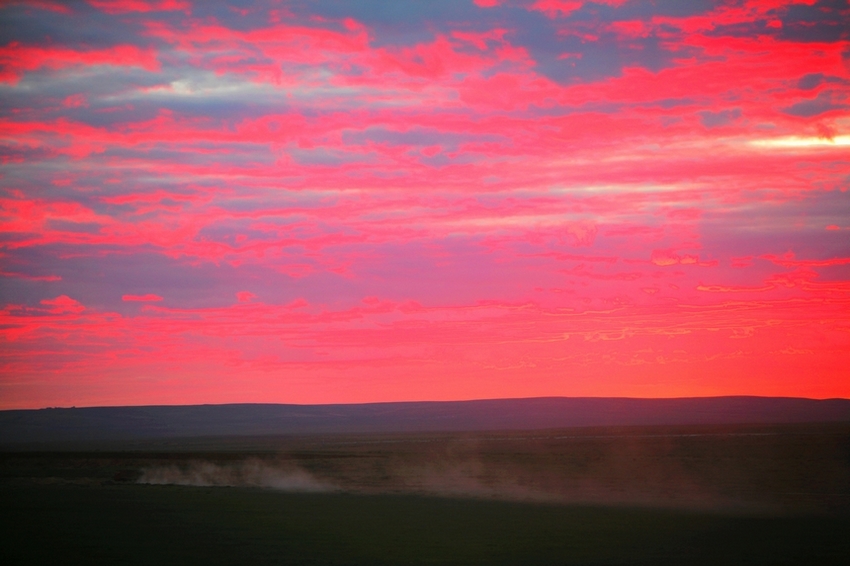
(775, 494)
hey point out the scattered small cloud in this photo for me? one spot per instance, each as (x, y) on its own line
(63, 304)
(245, 296)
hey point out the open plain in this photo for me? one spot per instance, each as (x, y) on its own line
(733, 494)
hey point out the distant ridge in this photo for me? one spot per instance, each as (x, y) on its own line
(20, 427)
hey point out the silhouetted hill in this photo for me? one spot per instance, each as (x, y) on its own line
(22, 427)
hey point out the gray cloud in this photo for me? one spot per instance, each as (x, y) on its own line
(711, 119)
(825, 101)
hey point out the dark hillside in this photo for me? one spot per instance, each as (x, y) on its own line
(22, 427)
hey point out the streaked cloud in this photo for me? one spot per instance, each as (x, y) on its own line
(329, 201)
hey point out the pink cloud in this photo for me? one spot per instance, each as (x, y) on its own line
(518, 224)
(63, 304)
(555, 8)
(30, 277)
(125, 6)
(490, 346)
(16, 59)
(245, 296)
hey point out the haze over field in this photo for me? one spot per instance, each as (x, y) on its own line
(346, 202)
(232, 424)
(751, 469)
(754, 469)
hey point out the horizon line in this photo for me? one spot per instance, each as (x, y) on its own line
(428, 401)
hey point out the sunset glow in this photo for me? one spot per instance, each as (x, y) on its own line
(334, 202)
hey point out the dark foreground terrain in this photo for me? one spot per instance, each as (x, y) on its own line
(721, 494)
(128, 424)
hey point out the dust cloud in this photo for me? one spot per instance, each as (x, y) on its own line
(618, 476)
(246, 473)
(735, 469)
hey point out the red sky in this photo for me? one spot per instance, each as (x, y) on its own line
(321, 202)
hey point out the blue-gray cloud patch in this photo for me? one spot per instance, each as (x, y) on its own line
(84, 27)
(720, 118)
(770, 226)
(813, 80)
(327, 156)
(77, 227)
(415, 137)
(824, 21)
(393, 23)
(810, 81)
(825, 101)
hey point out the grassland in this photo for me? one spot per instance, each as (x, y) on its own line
(651, 495)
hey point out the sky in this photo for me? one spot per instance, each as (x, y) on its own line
(341, 202)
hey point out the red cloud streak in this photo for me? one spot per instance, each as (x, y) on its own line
(319, 204)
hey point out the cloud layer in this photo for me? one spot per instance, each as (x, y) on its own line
(338, 202)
